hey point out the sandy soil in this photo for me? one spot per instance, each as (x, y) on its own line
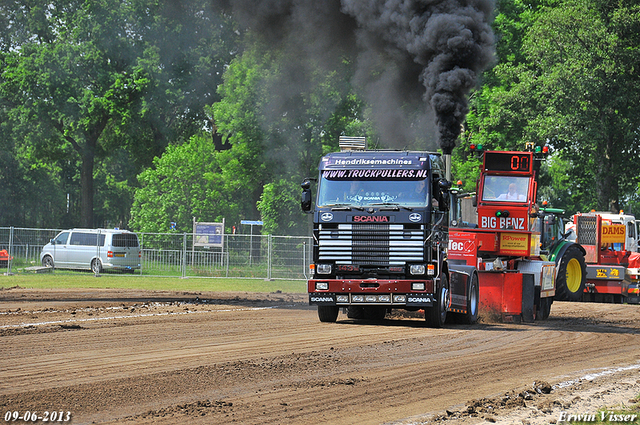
(135, 357)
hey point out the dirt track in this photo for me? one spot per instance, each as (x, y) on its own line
(131, 357)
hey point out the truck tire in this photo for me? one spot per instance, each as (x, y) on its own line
(471, 316)
(544, 309)
(328, 313)
(436, 316)
(355, 312)
(572, 275)
(375, 313)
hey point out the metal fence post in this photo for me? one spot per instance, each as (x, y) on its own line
(304, 258)
(10, 250)
(269, 242)
(184, 255)
(225, 258)
(141, 242)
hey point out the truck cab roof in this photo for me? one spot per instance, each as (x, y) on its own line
(384, 159)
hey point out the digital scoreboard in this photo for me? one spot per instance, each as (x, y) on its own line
(521, 162)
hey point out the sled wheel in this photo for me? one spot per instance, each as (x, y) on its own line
(544, 309)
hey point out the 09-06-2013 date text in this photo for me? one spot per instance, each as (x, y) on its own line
(46, 416)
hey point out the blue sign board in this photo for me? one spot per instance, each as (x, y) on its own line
(208, 234)
(250, 222)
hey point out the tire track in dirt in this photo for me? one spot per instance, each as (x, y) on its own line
(283, 366)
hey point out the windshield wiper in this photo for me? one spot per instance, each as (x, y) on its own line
(393, 204)
(343, 207)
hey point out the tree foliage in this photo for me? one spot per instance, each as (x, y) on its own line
(64, 89)
(156, 111)
(278, 130)
(184, 183)
(91, 81)
(588, 94)
(569, 79)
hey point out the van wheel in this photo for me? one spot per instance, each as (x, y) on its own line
(47, 261)
(96, 266)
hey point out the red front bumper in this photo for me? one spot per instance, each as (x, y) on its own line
(390, 293)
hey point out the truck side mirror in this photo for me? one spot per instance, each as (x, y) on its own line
(305, 201)
(444, 185)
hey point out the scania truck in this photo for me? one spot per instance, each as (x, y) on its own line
(380, 237)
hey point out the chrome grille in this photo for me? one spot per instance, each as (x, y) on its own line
(371, 244)
(586, 227)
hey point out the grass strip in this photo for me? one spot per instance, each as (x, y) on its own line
(149, 283)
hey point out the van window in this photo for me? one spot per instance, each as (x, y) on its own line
(91, 239)
(62, 238)
(125, 240)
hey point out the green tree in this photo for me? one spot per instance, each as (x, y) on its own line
(92, 82)
(185, 182)
(279, 207)
(566, 76)
(279, 122)
(587, 54)
(63, 88)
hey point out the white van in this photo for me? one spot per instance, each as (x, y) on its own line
(93, 249)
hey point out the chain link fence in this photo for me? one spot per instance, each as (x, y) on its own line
(174, 254)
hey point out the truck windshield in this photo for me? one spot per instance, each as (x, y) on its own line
(505, 189)
(410, 193)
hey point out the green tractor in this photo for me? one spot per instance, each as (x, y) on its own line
(571, 268)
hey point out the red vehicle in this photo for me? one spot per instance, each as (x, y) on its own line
(516, 284)
(613, 263)
(4, 258)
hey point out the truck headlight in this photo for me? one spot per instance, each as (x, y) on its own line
(417, 286)
(399, 298)
(417, 269)
(322, 286)
(323, 268)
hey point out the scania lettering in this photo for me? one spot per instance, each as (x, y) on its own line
(370, 219)
(380, 237)
(322, 299)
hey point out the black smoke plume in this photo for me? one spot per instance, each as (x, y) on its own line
(416, 60)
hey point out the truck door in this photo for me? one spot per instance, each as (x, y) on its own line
(632, 236)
